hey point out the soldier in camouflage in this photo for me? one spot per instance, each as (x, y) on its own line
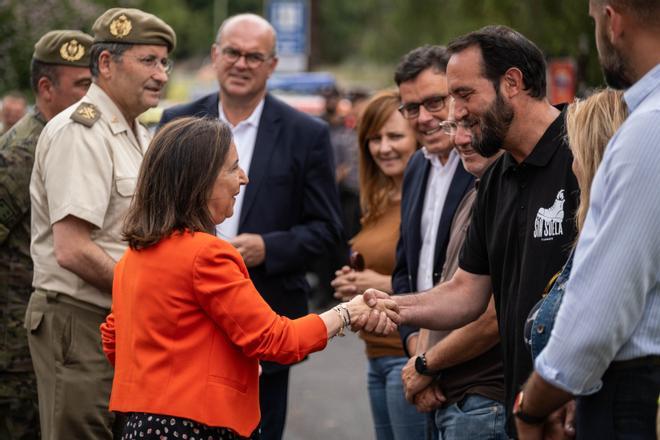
(60, 76)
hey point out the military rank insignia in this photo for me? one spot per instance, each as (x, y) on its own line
(86, 114)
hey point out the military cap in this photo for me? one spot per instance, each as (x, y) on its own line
(65, 47)
(127, 25)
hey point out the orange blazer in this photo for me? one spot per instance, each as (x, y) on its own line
(187, 329)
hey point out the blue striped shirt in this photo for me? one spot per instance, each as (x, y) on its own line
(611, 308)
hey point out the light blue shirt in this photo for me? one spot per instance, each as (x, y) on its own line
(611, 308)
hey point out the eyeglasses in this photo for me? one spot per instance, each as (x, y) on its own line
(450, 127)
(252, 59)
(434, 103)
(152, 62)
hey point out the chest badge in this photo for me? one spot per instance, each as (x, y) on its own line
(548, 223)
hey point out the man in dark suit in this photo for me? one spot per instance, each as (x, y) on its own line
(289, 212)
(435, 179)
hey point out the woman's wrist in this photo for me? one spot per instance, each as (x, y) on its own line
(344, 315)
(336, 320)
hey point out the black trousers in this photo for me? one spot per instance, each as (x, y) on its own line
(625, 408)
(273, 397)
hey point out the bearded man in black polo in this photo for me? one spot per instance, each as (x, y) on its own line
(523, 224)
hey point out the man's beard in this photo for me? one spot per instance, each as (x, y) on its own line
(494, 126)
(613, 65)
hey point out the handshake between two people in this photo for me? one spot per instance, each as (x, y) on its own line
(373, 312)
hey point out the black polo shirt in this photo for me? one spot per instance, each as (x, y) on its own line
(521, 233)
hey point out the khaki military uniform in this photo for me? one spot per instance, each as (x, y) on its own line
(86, 165)
(18, 386)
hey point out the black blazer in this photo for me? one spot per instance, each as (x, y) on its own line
(404, 277)
(291, 200)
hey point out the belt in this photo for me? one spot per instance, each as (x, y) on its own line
(63, 298)
(646, 361)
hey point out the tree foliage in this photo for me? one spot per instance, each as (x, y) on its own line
(344, 30)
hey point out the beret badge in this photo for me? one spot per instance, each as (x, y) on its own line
(72, 50)
(121, 26)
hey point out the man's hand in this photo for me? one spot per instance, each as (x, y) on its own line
(251, 247)
(560, 425)
(529, 432)
(383, 316)
(429, 399)
(413, 382)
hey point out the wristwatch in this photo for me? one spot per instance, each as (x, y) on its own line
(422, 368)
(527, 418)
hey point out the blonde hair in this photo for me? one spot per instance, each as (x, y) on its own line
(375, 187)
(590, 124)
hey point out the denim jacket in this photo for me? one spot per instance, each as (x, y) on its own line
(541, 318)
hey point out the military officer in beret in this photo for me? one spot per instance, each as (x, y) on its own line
(60, 76)
(86, 166)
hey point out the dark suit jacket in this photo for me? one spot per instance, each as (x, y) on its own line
(291, 200)
(404, 277)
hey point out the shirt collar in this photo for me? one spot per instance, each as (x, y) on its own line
(251, 121)
(109, 110)
(38, 115)
(435, 160)
(639, 91)
(554, 136)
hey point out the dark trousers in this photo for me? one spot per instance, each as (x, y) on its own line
(273, 395)
(625, 408)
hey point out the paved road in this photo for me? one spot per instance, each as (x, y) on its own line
(328, 394)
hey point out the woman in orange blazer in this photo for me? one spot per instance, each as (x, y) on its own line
(187, 327)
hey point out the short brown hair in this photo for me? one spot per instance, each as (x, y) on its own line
(503, 48)
(646, 12)
(375, 186)
(176, 180)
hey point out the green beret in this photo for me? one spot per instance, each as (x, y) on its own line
(65, 47)
(125, 25)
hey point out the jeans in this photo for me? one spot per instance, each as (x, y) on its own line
(394, 417)
(624, 408)
(473, 418)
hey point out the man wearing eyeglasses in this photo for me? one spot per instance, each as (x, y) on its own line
(456, 376)
(85, 170)
(289, 213)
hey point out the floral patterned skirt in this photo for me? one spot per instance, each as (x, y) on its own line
(139, 426)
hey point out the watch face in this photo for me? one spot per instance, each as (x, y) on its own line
(420, 365)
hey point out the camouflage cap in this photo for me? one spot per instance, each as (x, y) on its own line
(65, 47)
(126, 25)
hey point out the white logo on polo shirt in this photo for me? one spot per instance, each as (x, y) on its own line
(548, 223)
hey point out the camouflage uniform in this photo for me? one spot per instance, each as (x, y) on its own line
(19, 415)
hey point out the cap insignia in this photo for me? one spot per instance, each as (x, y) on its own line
(72, 50)
(120, 27)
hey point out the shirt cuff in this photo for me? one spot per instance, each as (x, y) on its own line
(562, 379)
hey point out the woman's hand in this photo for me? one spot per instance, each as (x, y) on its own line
(348, 282)
(385, 313)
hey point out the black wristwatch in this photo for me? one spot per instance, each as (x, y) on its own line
(422, 368)
(522, 415)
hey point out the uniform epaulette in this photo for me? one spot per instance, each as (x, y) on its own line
(86, 114)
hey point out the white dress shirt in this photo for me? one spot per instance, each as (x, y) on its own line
(437, 187)
(611, 307)
(245, 135)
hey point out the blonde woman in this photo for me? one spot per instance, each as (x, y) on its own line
(590, 123)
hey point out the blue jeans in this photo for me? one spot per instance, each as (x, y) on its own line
(473, 418)
(394, 417)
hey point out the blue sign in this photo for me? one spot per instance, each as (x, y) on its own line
(290, 19)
